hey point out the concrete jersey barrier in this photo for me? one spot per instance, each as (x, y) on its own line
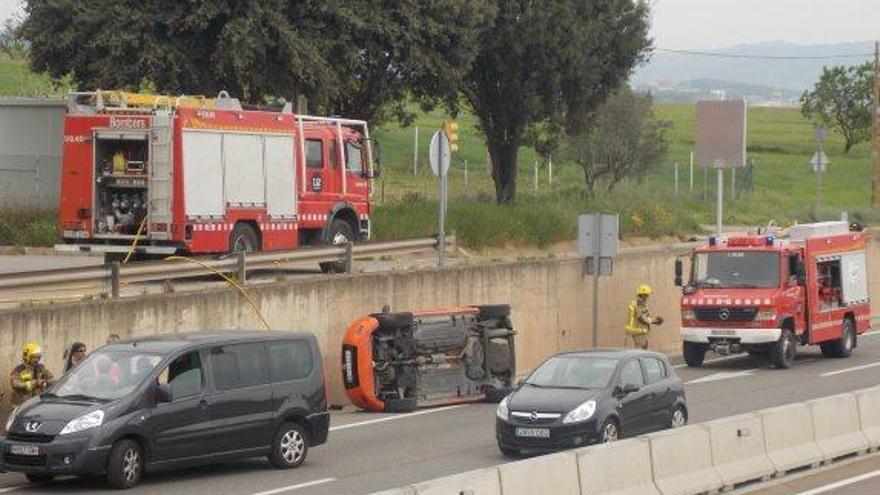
(869, 415)
(682, 461)
(479, 482)
(837, 427)
(621, 468)
(789, 437)
(556, 474)
(738, 450)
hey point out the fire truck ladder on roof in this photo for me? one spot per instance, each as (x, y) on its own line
(116, 100)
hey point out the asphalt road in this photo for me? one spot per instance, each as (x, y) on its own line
(372, 452)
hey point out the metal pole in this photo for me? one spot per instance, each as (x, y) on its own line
(676, 179)
(349, 257)
(705, 184)
(692, 172)
(536, 175)
(416, 152)
(875, 139)
(819, 178)
(596, 245)
(550, 172)
(733, 184)
(114, 279)
(719, 212)
(441, 228)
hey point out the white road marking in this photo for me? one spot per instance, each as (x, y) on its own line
(392, 418)
(13, 488)
(295, 487)
(847, 370)
(841, 483)
(715, 360)
(723, 375)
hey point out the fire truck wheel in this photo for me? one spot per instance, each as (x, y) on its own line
(785, 349)
(405, 405)
(843, 347)
(243, 238)
(339, 233)
(694, 354)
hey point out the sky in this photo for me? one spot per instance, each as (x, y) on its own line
(695, 24)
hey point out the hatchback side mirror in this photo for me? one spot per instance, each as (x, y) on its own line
(163, 393)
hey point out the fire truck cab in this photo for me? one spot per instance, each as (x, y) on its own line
(196, 175)
(767, 295)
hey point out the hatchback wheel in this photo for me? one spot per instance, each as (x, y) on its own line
(125, 464)
(610, 431)
(679, 417)
(290, 447)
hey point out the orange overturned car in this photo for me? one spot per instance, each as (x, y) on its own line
(398, 362)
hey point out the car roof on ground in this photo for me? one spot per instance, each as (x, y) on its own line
(165, 342)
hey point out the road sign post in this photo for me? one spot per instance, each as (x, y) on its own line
(440, 158)
(597, 243)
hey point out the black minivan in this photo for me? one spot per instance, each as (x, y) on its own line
(174, 400)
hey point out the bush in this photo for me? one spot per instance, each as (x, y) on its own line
(28, 227)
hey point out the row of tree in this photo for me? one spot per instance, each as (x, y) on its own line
(525, 68)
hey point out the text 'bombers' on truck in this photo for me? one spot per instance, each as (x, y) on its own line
(196, 175)
(765, 295)
(396, 362)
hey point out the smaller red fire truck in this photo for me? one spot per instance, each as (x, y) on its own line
(196, 175)
(766, 295)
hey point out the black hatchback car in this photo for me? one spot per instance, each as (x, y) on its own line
(574, 399)
(171, 401)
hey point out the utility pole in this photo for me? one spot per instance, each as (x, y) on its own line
(875, 138)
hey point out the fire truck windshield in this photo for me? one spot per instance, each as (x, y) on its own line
(736, 269)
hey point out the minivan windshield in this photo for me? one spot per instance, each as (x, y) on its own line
(573, 372)
(106, 375)
(736, 269)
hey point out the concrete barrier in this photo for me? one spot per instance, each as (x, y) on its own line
(479, 482)
(682, 461)
(619, 468)
(789, 437)
(556, 474)
(869, 415)
(738, 450)
(837, 428)
(407, 490)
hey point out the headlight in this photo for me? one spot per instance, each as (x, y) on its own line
(11, 418)
(84, 422)
(583, 412)
(766, 316)
(502, 411)
(688, 314)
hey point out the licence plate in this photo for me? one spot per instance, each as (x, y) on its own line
(533, 432)
(726, 333)
(24, 450)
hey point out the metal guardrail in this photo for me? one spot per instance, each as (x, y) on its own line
(239, 264)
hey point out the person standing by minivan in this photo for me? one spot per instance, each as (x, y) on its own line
(31, 377)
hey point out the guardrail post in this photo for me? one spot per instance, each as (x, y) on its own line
(114, 279)
(242, 268)
(348, 262)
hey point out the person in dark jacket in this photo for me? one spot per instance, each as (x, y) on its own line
(73, 355)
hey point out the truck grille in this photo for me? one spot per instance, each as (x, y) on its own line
(726, 314)
(25, 460)
(30, 437)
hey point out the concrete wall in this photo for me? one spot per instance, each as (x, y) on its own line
(550, 298)
(30, 152)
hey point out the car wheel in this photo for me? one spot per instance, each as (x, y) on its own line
(679, 417)
(495, 395)
(610, 431)
(290, 447)
(785, 350)
(340, 233)
(39, 478)
(508, 452)
(694, 354)
(125, 464)
(494, 311)
(405, 405)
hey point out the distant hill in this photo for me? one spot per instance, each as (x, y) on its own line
(674, 75)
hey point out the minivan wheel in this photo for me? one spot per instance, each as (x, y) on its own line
(125, 464)
(39, 478)
(290, 447)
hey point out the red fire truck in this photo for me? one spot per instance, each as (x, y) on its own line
(196, 175)
(767, 295)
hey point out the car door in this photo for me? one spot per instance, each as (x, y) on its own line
(634, 408)
(181, 429)
(316, 169)
(658, 387)
(241, 404)
(291, 365)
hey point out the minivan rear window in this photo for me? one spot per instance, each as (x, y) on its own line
(239, 365)
(290, 360)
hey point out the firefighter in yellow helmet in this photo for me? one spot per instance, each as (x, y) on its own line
(639, 320)
(30, 378)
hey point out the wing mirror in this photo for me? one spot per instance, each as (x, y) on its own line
(163, 393)
(679, 271)
(520, 382)
(622, 391)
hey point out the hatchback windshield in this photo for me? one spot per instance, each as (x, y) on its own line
(731, 269)
(573, 372)
(106, 375)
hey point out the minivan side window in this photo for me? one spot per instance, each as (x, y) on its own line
(184, 375)
(654, 370)
(239, 365)
(631, 374)
(290, 360)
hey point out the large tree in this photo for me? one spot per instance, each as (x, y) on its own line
(842, 100)
(623, 140)
(358, 58)
(548, 63)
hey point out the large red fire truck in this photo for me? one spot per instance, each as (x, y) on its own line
(196, 175)
(767, 295)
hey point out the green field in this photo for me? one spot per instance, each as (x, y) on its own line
(780, 144)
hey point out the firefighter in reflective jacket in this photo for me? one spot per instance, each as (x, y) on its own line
(30, 378)
(639, 322)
